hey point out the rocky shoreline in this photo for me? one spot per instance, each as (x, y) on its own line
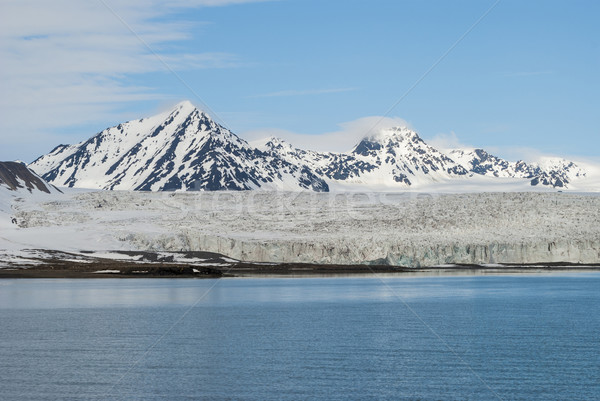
(125, 269)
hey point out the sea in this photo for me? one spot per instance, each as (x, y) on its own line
(435, 336)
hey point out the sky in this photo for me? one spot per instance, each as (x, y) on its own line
(518, 78)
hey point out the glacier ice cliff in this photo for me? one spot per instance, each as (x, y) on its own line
(404, 229)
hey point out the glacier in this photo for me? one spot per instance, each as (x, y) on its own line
(400, 229)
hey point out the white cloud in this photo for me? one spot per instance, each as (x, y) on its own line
(445, 141)
(68, 62)
(349, 134)
(515, 153)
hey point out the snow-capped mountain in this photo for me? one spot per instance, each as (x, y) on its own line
(183, 149)
(481, 162)
(403, 157)
(554, 172)
(394, 156)
(398, 157)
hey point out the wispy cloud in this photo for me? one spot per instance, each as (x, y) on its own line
(306, 92)
(342, 140)
(70, 62)
(444, 141)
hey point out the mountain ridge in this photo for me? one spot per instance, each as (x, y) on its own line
(16, 176)
(184, 149)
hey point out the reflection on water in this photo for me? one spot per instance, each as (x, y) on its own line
(432, 272)
(530, 337)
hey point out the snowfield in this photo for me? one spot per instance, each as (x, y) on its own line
(404, 229)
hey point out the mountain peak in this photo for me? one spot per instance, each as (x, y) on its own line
(277, 142)
(185, 104)
(395, 133)
(183, 108)
(392, 136)
(387, 138)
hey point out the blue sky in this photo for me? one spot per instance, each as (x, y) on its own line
(522, 80)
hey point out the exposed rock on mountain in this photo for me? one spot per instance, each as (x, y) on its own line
(556, 173)
(15, 176)
(184, 149)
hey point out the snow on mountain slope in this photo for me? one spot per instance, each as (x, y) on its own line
(557, 172)
(481, 162)
(554, 172)
(395, 157)
(183, 149)
(179, 150)
(333, 166)
(398, 158)
(399, 155)
(18, 184)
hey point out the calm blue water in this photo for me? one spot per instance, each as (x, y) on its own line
(516, 337)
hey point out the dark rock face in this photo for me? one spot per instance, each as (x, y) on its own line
(341, 167)
(552, 178)
(487, 163)
(15, 175)
(367, 148)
